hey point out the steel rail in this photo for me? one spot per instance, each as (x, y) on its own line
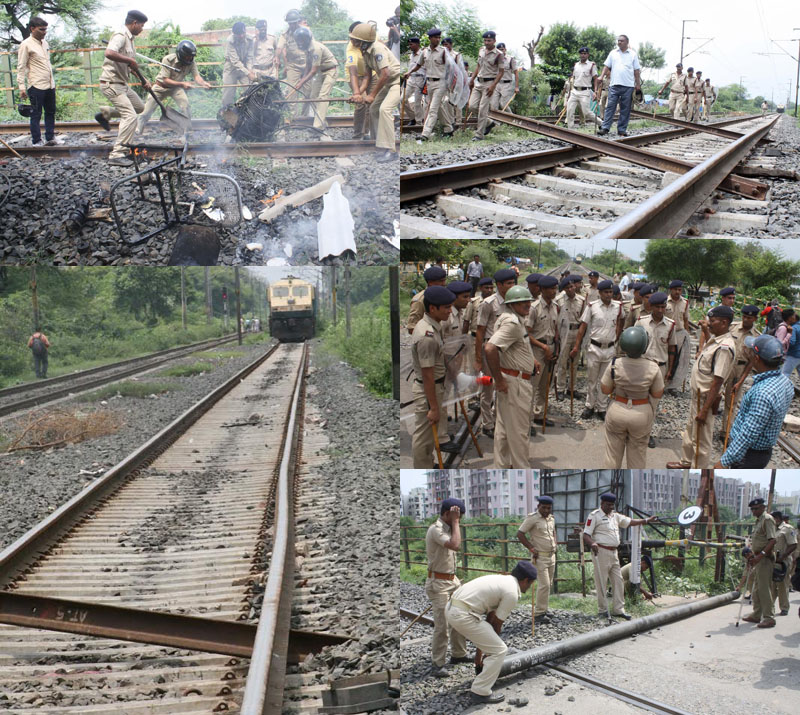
(422, 183)
(42, 536)
(411, 615)
(703, 128)
(137, 364)
(664, 213)
(267, 671)
(792, 449)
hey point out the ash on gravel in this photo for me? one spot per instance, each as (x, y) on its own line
(34, 484)
(44, 192)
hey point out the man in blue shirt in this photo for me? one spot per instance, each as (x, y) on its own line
(622, 65)
(760, 417)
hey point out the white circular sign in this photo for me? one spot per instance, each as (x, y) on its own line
(689, 515)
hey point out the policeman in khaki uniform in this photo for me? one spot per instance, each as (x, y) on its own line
(362, 82)
(537, 533)
(602, 320)
(570, 306)
(415, 81)
(485, 289)
(292, 59)
(678, 310)
(762, 561)
(692, 96)
(635, 385)
(710, 96)
(238, 66)
(320, 75)
(509, 85)
(434, 276)
(427, 356)
(641, 308)
(494, 597)
(711, 369)
(265, 48)
(483, 83)
(601, 535)
(442, 542)
(785, 548)
(678, 91)
(583, 79)
(511, 364)
(592, 293)
(542, 327)
(740, 329)
(433, 59)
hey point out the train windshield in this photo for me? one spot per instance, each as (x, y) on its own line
(300, 291)
(280, 292)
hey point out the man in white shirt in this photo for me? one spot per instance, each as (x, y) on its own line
(475, 272)
(35, 81)
(624, 282)
(622, 66)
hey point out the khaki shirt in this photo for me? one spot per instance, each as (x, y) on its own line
(583, 74)
(489, 64)
(509, 67)
(542, 321)
(416, 310)
(677, 82)
(496, 593)
(540, 531)
(632, 377)
(709, 92)
(677, 309)
(743, 353)
(181, 71)
(434, 62)
(471, 312)
(763, 532)
(33, 61)
(378, 57)
(264, 54)
(320, 56)
(719, 352)
(601, 321)
(427, 347)
(784, 538)
(354, 58)
(239, 53)
(440, 558)
(637, 311)
(117, 72)
(662, 336)
(451, 332)
(571, 309)
(604, 529)
(511, 340)
(295, 57)
(592, 294)
(489, 312)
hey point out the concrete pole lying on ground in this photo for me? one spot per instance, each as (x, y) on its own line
(587, 641)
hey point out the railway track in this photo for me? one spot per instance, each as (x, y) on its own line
(168, 584)
(31, 394)
(654, 185)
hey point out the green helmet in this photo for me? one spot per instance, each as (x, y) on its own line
(517, 294)
(634, 341)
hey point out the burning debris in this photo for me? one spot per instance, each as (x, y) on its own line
(257, 115)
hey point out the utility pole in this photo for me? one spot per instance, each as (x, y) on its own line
(394, 327)
(333, 292)
(35, 300)
(614, 262)
(683, 35)
(209, 308)
(183, 297)
(771, 491)
(238, 304)
(347, 301)
(797, 80)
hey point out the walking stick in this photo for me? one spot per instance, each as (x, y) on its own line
(435, 429)
(571, 386)
(11, 149)
(415, 620)
(469, 427)
(728, 423)
(533, 611)
(741, 594)
(546, 398)
(507, 103)
(403, 104)
(697, 434)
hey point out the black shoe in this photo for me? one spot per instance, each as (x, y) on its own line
(462, 659)
(438, 671)
(559, 396)
(672, 392)
(488, 431)
(533, 431)
(651, 443)
(602, 132)
(412, 123)
(624, 615)
(450, 447)
(600, 415)
(477, 139)
(448, 134)
(489, 128)
(622, 134)
(102, 121)
(491, 698)
(587, 413)
(544, 618)
(422, 138)
(547, 423)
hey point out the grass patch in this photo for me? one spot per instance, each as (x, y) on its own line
(188, 370)
(129, 388)
(255, 338)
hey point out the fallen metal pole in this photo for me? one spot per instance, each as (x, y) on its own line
(594, 639)
(705, 128)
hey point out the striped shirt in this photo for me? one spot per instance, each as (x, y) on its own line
(760, 417)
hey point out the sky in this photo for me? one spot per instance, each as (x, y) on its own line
(786, 480)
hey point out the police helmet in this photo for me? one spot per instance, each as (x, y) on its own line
(364, 32)
(517, 294)
(25, 109)
(779, 572)
(292, 16)
(186, 51)
(634, 341)
(302, 36)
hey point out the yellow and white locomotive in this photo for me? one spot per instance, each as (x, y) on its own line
(292, 309)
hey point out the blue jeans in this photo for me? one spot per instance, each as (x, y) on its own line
(790, 364)
(618, 94)
(42, 99)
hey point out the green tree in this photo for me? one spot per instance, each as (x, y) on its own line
(15, 14)
(757, 267)
(226, 23)
(460, 22)
(560, 44)
(145, 293)
(651, 57)
(695, 261)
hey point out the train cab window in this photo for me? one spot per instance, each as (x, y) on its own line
(280, 292)
(300, 291)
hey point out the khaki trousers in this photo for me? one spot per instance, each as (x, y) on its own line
(126, 105)
(177, 93)
(381, 115)
(321, 86)
(684, 349)
(438, 592)
(422, 439)
(627, 430)
(512, 427)
(603, 101)
(233, 76)
(293, 76)
(580, 98)
(478, 630)
(545, 573)
(606, 565)
(506, 90)
(360, 112)
(438, 108)
(677, 102)
(763, 600)
(563, 362)
(732, 380)
(690, 433)
(781, 590)
(691, 108)
(487, 394)
(479, 105)
(539, 383)
(416, 100)
(597, 360)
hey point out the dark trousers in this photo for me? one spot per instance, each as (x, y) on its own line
(42, 99)
(754, 459)
(40, 365)
(474, 280)
(618, 94)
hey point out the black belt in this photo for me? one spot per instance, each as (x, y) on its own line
(474, 335)
(601, 345)
(661, 364)
(582, 87)
(486, 79)
(506, 81)
(574, 326)
(437, 382)
(433, 79)
(741, 362)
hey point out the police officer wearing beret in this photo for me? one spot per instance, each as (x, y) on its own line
(485, 289)
(740, 329)
(433, 59)
(727, 296)
(678, 310)
(601, 535)
(592, 292)
(537, 533)
(427, 356)
(640, 308)
(490, 310)
(785, 548)
(483, 83)
(442, 542)
(711, 369)
(495, 597)
(762, 561)
(542, 327)
(570, 304)
(532, 279)
(434, 276)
